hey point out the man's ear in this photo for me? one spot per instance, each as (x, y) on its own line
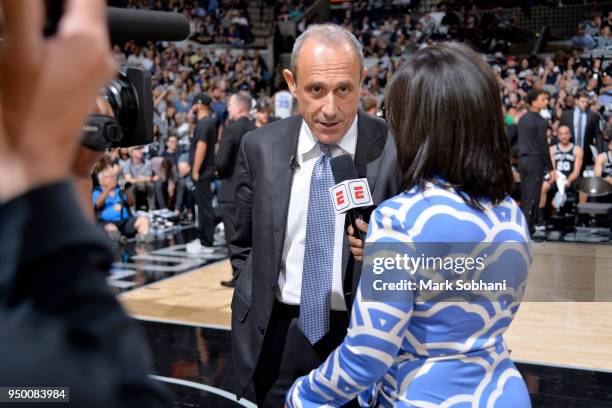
(290, 79)
(363, 75)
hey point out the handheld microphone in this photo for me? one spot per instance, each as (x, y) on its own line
(351, 193)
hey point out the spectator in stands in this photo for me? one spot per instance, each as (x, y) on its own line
(592, 27)
(583, 41)
(604, 40)
(112, 206)
(171, 151)
(137, 172)
(605, 92)
(218, 106)
(184, 187)
(115, 161)
(183, 105)
(262, 116)
(369, 104)
(164, 183)
(607, 21)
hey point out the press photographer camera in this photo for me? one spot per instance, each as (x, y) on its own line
(130, 93)
(131, 99)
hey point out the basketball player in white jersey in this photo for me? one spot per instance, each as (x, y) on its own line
(567, 159)
(283, 103)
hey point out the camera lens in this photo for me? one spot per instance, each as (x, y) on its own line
(122, 97)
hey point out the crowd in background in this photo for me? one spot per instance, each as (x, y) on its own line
(390, 34)
(181, 73)
(389, 41)
(290, 9)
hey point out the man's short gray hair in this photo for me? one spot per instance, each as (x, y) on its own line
(243, 100)
(329, 34)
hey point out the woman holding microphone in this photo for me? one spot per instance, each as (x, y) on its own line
(445, 112)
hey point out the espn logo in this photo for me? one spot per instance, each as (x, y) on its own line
(351, 194)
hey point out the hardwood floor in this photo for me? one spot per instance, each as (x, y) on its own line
(565, 320)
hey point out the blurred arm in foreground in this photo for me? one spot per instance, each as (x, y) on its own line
(62, 326)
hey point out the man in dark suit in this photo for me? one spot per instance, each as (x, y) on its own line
(239, 106)
(297, 274)
(584, 125)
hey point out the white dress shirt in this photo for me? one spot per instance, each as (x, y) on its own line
(292, 264)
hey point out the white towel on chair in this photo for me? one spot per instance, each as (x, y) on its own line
(560, 197)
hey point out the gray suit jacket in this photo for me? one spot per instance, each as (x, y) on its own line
(592, 134)
(264, 188)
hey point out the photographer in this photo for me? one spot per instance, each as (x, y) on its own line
(61, 324)
(112, 206)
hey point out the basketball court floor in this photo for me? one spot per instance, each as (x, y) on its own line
(561, 338)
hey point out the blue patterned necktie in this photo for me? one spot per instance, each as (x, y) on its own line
(315, 299)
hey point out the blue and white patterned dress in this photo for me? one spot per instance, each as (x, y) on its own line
(429, 354)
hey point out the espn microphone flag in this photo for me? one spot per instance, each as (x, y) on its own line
(350, 194)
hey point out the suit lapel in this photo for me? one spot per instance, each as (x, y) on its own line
(283, 149)
(368, 158)
(368, 155)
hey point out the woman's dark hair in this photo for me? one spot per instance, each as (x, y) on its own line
(444, 109)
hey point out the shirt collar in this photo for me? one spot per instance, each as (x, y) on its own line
(308, 147)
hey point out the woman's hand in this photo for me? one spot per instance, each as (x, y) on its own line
(356, 243)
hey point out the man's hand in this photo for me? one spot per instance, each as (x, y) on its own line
(356, 243)
(84, 161)
(195, 176)
(47, 86)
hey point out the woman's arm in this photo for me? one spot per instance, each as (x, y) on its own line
(369, 348)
